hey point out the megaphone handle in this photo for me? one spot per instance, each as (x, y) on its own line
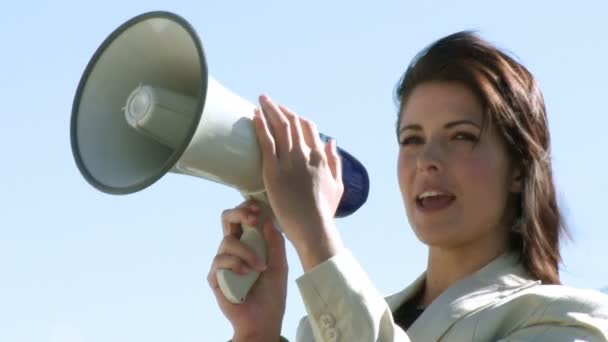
(235, 287)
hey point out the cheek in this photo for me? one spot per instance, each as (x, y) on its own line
(405, 168)
(482, 178)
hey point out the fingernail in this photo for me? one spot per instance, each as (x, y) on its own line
(252, 220)
(260, 265)
(246, 269)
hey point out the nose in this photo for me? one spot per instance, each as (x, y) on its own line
(430, 158)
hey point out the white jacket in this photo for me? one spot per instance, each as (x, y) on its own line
(500, 302)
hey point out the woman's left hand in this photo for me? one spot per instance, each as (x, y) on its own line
(302, 175)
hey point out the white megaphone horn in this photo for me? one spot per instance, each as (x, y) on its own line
(146, 106)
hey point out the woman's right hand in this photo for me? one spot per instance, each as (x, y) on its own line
(260, 316)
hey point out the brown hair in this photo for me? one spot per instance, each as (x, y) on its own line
(513, 102)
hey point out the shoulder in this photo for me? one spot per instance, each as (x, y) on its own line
(549, 313)
(544, 306)
(566, 299)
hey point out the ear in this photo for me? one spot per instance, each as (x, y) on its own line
(516, 180)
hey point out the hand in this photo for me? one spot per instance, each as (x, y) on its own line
(302, 176)
(260, 316)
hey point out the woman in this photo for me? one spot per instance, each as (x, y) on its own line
(475, 176)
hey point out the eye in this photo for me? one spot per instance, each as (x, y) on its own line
(465, 136)
(411, 140)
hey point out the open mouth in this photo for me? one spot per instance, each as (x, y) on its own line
(434, 200)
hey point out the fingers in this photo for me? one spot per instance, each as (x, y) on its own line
(281, 132)
(232, 253)
(234, 247)
(226, 262)
(311, 135)
(265, 137)
(236, 256)
(245, 213)
(295, 127)
(279, 125)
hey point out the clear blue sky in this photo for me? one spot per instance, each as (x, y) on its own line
(77, 265)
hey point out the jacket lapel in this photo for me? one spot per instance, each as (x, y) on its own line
(395, 300)
(500, 278)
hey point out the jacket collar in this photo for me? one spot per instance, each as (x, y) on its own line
(500, 278)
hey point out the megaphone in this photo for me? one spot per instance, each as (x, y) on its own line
(146, 106)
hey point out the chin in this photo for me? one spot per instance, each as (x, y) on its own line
(443, 237)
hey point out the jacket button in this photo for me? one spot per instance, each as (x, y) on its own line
(326, 321)
(331, 335)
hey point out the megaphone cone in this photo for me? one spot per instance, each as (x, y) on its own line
(146, 105)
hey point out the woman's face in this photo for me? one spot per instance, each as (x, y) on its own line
(454, 179)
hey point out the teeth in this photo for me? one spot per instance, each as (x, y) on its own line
(430, 194)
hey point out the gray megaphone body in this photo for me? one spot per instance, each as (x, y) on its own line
(146, 105)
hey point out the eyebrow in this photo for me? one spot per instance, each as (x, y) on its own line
(450, 124)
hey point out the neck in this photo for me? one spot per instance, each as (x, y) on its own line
(446, 266)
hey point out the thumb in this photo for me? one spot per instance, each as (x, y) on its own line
(277, 259)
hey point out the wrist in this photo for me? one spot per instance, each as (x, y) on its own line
(317, 245)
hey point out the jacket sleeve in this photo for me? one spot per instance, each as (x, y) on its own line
(343, 305)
